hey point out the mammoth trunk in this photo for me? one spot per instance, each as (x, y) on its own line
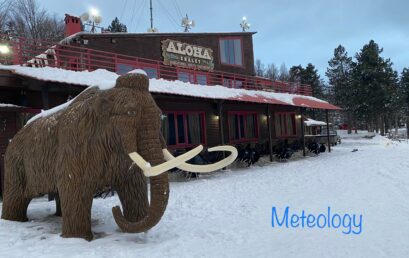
(159, 198)
(150, 148)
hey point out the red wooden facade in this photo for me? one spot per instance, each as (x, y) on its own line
(219, 122)
(94, 51)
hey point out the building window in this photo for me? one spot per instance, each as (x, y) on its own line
(285, 124)
(186, 77)
(151, 72)
(201, 79)
(232, 83)
(196, 78)
(184, 129)
(124, 68)
(231, 52)
(243, 126)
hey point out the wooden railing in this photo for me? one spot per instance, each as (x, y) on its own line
(36, 53)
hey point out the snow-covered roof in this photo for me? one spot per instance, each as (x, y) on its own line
(5, 105)
(312, 122)
(104, 79)
(101, 78)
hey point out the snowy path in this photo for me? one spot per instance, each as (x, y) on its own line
(229, 214)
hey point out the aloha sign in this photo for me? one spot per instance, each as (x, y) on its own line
(185, 55)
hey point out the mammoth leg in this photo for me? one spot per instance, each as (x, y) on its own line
(57, 205)
(76, 202)
(14, 201)
(15, 206)
(133, 194)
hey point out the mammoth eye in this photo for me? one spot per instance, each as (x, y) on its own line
(131, 112)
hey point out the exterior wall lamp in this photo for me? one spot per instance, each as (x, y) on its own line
(4, 49)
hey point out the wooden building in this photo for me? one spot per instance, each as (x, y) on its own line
(256, 111)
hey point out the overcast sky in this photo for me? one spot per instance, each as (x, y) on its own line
(288, 31)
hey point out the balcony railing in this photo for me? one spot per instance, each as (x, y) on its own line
(36, 53)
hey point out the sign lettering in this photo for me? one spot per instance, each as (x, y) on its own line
(185, 55)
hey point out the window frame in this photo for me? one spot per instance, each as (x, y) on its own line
(193, 75)
(245, 114)
(123, 63)
(186, 144)
(242, 51)
(234, 83)
(144, 66)
(140, 65)
(206, 75)
(286, 135)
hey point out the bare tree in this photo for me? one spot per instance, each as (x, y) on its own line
(28, 19)
(4, 15)
(272, 72)
(284, 74)
(259, 68)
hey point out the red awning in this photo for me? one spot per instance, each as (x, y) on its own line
(309, 103)
(258, 99)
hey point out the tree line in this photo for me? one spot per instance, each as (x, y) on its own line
(28, 19)
(308, 75)
(371, 93)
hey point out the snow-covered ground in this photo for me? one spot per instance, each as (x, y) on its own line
(229, 214)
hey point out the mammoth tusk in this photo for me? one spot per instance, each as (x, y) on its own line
(149, 171)
(207, 168)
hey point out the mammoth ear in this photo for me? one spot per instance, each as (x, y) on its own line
(103, 106)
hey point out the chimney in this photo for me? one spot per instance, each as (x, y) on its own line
(72, 25)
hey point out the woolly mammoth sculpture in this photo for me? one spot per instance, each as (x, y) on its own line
(92, 144)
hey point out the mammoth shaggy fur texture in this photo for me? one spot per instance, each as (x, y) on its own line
(83, 148)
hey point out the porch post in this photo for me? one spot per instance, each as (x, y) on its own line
(302, 131)
(221, 127)
(328, 140)
(221, 122)
(45, 97)
(270, 138)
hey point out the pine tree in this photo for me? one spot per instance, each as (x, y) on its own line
(339, 74)
(117, 26)
(392, 104)
(310, 76)
(373, 79)
(404, 96)
(296, 73)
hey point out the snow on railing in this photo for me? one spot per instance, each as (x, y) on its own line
(37, 53)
